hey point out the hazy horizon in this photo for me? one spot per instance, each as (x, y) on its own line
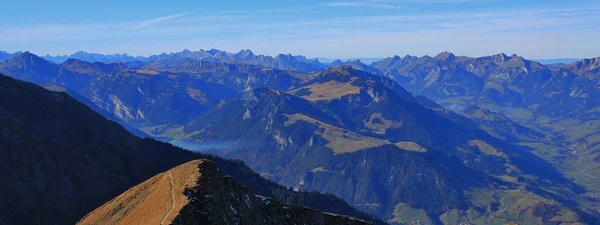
(321, 59)
(316, 29)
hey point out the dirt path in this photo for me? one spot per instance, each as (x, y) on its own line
(172, 199)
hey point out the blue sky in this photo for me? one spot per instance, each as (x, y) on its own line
(334, 29)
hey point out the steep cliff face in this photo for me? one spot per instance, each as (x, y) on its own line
(197, 192)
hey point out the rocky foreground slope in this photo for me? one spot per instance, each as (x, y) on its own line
(197, 192)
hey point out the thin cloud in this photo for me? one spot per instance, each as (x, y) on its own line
(363, 4)
(151, 22)
(431, 1)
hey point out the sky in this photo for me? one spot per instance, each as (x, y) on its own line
(539, 29)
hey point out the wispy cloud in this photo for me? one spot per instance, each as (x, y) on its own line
(369, 4)
(390, 4)
(147, 23)
(432, 1)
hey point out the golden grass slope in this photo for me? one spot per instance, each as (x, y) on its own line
(155, 201)
(486, 148)
(340, 140)
(410, 146)
(198, 192)
(330, 90)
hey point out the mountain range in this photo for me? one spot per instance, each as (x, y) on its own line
(142, 96)
(561, 102)
(219, 55)
(440, 140)
(281, 61)
(5, 55)
(347, 128)
(60, 160)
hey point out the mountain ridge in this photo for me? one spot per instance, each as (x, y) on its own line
(201, 194)
(297, 62)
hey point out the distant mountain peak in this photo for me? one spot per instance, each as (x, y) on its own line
(528, 65)
(285, 57)
(448, 56)
(213, 51)
(394, 59)
(516, 58)
(245, 54)
(500, 58)
(245, 51)
(74, 61)
(30, 58)
(288, 55)
(590, 60)
(356, 61)
(585, 65)
(27, 53)
(345, 70)
(337, 62)
(387, 62)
